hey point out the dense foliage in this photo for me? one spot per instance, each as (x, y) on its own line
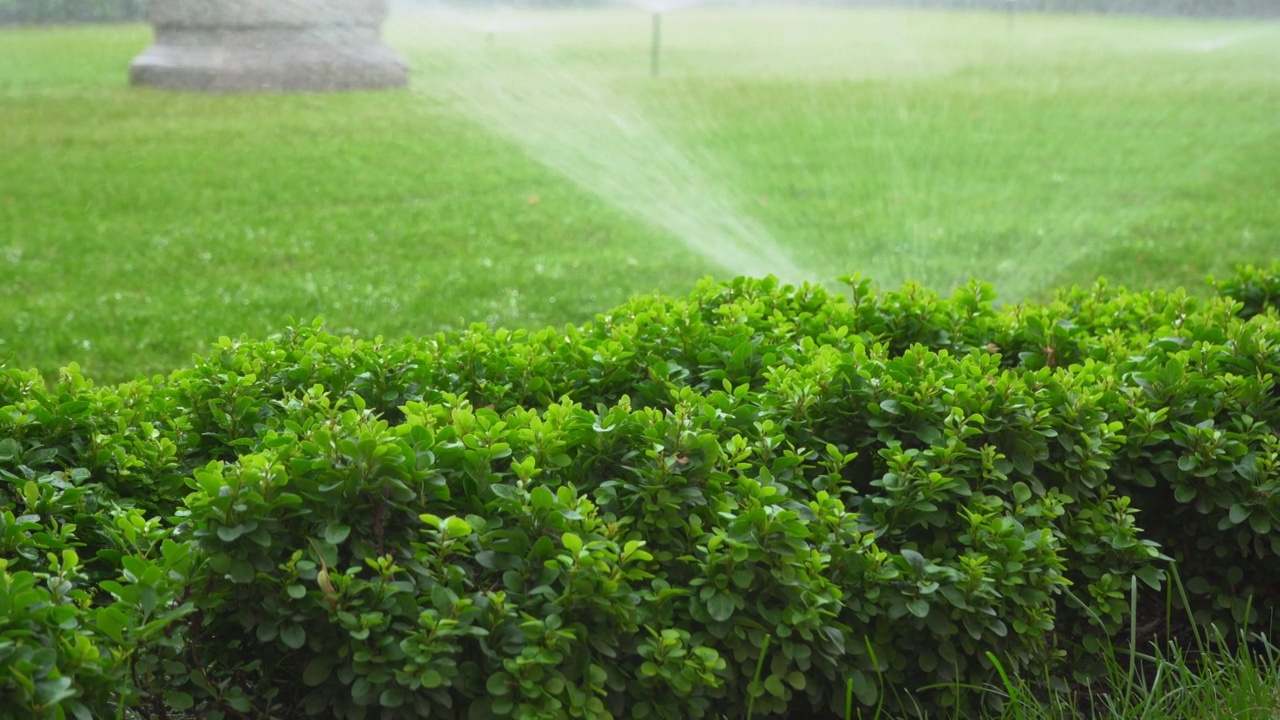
(753, 499)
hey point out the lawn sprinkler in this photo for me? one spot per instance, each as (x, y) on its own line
(656, 9)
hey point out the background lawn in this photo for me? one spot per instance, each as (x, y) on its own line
(535, 173)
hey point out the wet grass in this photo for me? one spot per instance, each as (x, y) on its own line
(1203, 675)
(1228, 682)
(135, 226)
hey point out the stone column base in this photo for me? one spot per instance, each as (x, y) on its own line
(268, 46)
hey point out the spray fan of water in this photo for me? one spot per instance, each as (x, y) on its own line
(551, 84)
(576, 125)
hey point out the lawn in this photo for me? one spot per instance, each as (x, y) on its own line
(536, 173)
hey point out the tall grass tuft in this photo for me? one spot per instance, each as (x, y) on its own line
(1213, 677)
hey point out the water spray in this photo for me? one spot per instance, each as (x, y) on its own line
(655, 49)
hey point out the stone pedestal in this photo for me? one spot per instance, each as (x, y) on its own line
(268, 46)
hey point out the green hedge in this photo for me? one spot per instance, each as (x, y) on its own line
(754, 498)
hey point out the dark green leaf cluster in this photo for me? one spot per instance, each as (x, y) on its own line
(756, 496)
(1257, 288)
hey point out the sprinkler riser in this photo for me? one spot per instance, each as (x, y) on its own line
(655, 48)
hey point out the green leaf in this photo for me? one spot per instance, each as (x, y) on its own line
(112, 623)
(1150, 575)
(497, 684)
(1184, 493)
(1199, 585)
(542, 499)
(293, 636)
(392, 697)
(318, 670)
(228, 533)
(79, 710)
(864, 687)
(720, 607)
(487, 559)
(178, 700)
(335, 533)
(1260, 523)
(1021, 493)
(455, 527)
(431, 679)
(506, 492)
(796, 679)
(268, 631)
(241, 571)
(1091, 643)
(914, 559)
(1238, 513)
(443, 599)
(296, 591)
(572, 542)
(54, 691)
(773, 684)
(1023, 464)
(918, 607)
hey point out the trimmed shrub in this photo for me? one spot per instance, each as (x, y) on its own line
(749, 499)
(1258, 289)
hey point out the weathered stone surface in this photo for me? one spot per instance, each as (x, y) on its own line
(268, 46)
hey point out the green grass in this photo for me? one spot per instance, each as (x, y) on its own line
(1213, 679)
(1203, 677)
(1224, 684)
(547, 177)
